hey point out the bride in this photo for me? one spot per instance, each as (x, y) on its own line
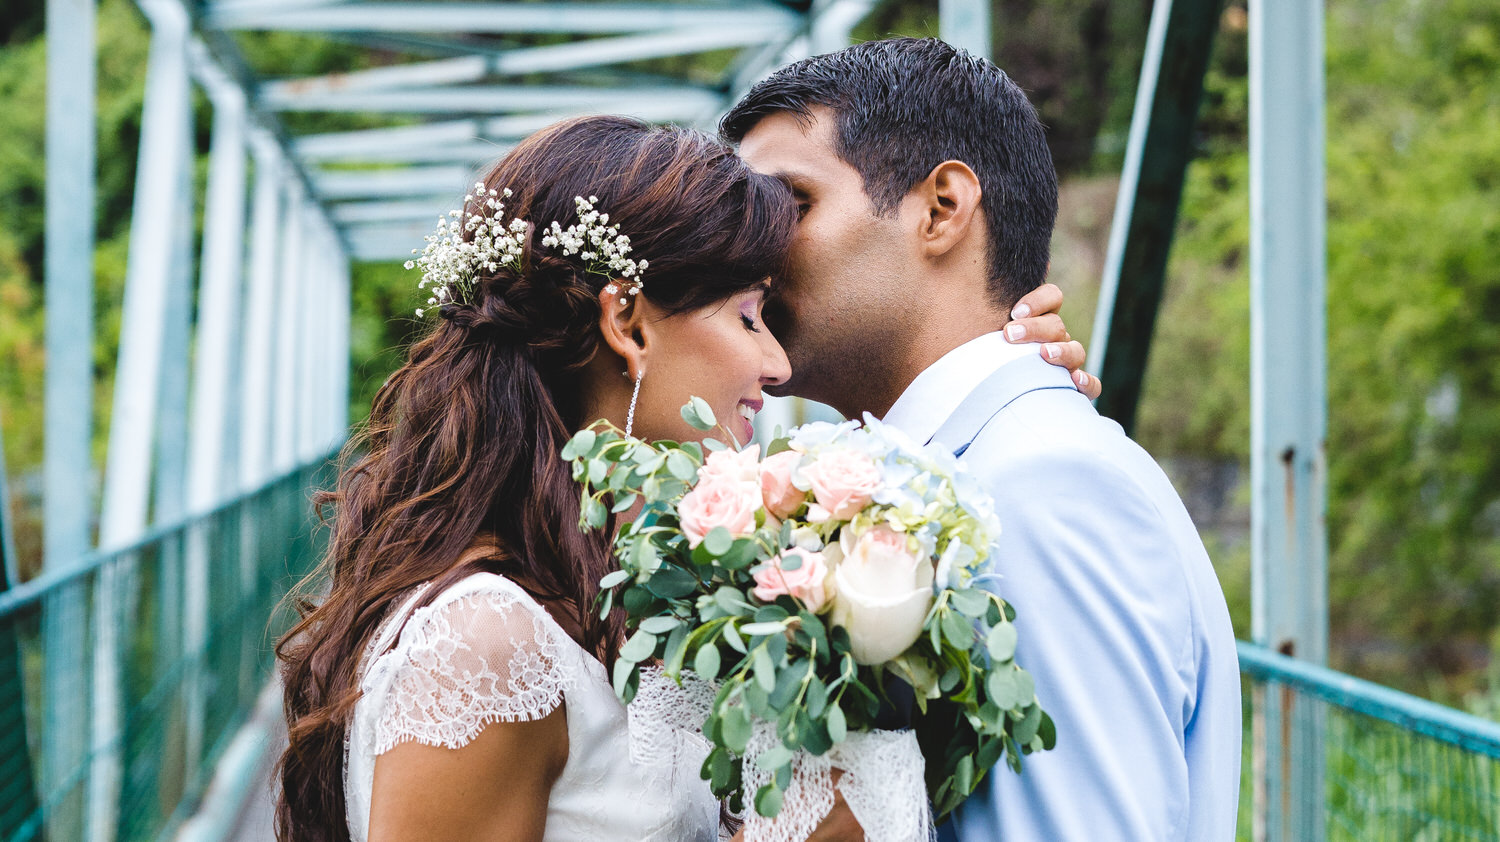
(452, 682)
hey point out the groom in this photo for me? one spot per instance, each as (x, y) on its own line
(927, 198)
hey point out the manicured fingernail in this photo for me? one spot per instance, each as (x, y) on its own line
(1015, 332)
(1021, 311)
(1053, 351)
(1081, 379)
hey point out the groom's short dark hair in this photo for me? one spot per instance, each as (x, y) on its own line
(905, 105)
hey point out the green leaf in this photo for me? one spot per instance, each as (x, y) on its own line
(623, 671)
(1003, 689)
(768, 800)
(788, 683)
(762, 629)
(816, 700)
(613, 578)
(671, 582)
(735, 724)
(718, 541)
(1029, 725)
(958, 629)
(675, 651)
(706, 662)
(971, 602)
(661, 624)
(579, 445)
(593, 513)
(838, 728)
(732, 637)
(1025, 687)
(774, 758)
(639, 647)
(681, 465)
(1002, 642)
(765, 669)
(963, 776)
(623, 502)
(778, 446)
(699, 415)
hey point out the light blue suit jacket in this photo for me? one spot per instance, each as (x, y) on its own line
(1122, 622)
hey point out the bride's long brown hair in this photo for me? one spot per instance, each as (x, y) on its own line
(463, 440)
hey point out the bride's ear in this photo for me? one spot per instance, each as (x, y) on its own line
(622, 327)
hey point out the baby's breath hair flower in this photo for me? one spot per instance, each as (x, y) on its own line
(601, 246)
(450, 263)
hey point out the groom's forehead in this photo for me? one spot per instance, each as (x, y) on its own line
(790, 145)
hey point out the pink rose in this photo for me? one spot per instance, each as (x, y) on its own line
(842, 483)
(718, 501)
(807, 583)
(781, 497)
(737, 465)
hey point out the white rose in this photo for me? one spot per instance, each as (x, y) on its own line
(881, 596)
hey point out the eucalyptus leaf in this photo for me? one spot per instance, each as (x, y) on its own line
(613, 578)
(765, 670)
(838, 727)
(639, 647)
(698, 414)
(623, 502)
(580, 444)
(759, 629)
(660, 624)
(681, 465)
(774, 758)
(971, 602)
(1002, 642)
(718, 541)
(706, 662)
(735, 724)
(768, 800)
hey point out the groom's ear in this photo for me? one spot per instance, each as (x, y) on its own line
(950, 202)
(621, 321)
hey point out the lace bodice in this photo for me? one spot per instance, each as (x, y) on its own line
(483, 651)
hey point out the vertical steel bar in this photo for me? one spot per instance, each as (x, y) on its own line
(219, 301)
(68, 473)
(260, 309)
(1178, 45)
(966, 24)
(155, 246)
(288, 332)
(1288, 385)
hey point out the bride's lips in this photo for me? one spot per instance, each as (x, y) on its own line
(746, 413)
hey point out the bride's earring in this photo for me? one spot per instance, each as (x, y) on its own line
(634, 396)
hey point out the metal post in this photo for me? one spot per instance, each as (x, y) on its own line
(966, 24)
(283, 455)
(154, 247)
(219, 302)
(68, 473)
(256, 362)
(1288, 399)
(1178, 47)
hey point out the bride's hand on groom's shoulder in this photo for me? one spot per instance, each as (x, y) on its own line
(1035, 319)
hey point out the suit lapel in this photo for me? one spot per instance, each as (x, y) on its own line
(993, 394)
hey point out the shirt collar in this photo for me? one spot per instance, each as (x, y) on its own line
(936, 393)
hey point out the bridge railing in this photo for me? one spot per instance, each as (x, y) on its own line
(1393, 766)
(122, 679)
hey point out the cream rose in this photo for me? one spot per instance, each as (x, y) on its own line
(781, 497)
(718, 501)
(807, 583)
(882, 594)
(842, 483)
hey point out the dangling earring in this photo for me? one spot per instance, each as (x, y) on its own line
(634, 396)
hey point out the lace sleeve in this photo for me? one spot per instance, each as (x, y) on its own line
(464, 664)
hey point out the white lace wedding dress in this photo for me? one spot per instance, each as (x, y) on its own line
(484, 651)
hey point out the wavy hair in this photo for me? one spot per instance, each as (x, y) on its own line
(461, 449)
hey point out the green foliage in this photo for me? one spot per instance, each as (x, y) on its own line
(1413, 321)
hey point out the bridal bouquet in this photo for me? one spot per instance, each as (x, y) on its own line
(800, 583)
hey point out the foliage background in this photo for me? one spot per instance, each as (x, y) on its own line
(1414, 292)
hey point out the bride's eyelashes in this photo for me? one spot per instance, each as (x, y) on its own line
(749, 323)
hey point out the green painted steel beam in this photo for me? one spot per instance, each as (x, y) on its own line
(1178, 46)
(495, 18)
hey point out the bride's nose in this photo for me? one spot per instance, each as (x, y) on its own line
(775, 368)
